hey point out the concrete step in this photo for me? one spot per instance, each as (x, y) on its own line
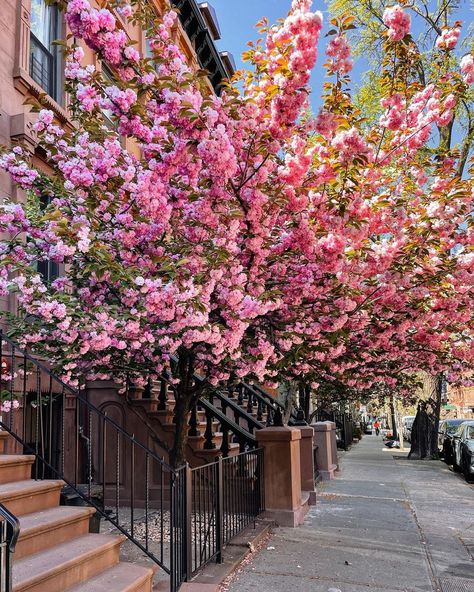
(66, 565)
(3, 440)
(25, 497)
(42, 530)
(15, 467)
(124, 577)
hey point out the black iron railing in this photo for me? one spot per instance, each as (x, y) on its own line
(9, 532)
(108, 468)
(227, 496)
(180, 518)
(268, 403)
(232, 431)
(344, 426)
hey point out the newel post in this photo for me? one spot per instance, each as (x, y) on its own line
(326, 451)
(282, 475)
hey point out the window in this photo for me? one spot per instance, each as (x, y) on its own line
(45, 67)
(48, 270)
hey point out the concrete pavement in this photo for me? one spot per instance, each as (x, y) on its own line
(385, 524)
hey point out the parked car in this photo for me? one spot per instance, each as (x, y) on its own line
(441, 435)
(407, 424)
(463, 444)
(368, 427)
(445, 440)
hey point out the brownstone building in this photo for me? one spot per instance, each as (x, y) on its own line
(31, 65)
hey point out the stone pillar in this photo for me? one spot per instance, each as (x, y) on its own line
(326, 453)
(282, 475)
(307, 461)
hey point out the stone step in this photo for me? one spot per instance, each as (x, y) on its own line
(25, 497)
(42, 530)
(3, 440)
(66, 565)
(170, 426)
(15, 467)
(124, 577)
(150, 405)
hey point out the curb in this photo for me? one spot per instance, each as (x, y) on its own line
(210, 578)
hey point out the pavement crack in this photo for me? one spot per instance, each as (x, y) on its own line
(361, 496)
(424, 543)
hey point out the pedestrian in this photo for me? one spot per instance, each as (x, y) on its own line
(377, 427)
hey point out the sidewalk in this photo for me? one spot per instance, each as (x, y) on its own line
(385, 524)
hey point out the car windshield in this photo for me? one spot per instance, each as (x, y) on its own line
(470, 433)
(452, 426)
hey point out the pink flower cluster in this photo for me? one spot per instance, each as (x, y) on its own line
(98, 29)
(350, 144)
(448, 38)
(8, 405)
(339, 51)
(467, 68)
(297, 38)
(325, 123)
(398, 22)
(119, 101)
(19, 171)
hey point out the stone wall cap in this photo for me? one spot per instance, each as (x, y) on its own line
(324, 426)
(281, 433)
(306, 431)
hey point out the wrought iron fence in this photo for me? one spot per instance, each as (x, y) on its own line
(74, 441)
(180, 518)
(227, 496)
(9, 531)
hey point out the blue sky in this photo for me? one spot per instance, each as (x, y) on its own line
(237, 20)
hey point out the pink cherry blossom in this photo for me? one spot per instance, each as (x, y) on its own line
(398, 22)
(467, 68)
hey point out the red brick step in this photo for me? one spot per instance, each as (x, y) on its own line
(15, 467)
(25, 497)
(124, 577)
(66, 565)
(42, 530)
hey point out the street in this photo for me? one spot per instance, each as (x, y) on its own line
(385, 524)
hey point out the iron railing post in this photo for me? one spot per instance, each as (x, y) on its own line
(219, 510)
(9, 533)
(188, 513)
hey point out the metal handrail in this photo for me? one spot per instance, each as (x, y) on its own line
(77, 393)
(250, 419)
(261, 394)
(264, 396)
(9, 533)
(65, 457)
(223, 419)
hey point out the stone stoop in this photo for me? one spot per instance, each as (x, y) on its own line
(55, 551)
(162, 422)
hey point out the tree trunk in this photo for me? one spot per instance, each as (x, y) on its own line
(307, 401)
(424, 432)
(186, 394)
(289, 392)
(393, 417)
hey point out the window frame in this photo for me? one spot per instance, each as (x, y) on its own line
(53, 54)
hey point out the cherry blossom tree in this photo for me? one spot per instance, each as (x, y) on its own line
(238, 234)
